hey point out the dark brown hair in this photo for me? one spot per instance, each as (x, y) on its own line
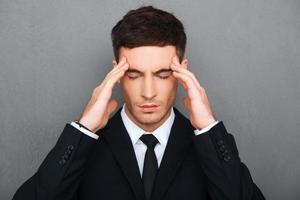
(148, 26)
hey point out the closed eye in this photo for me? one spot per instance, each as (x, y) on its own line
(135, 77)
(162, 73)
(163, 77)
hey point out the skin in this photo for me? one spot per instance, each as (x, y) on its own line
(149, 86)
(148, 74)
(149, 80)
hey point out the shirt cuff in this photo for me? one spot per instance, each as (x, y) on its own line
(85, 131)
(198, 132)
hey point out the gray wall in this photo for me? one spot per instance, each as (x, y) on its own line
(245, 54)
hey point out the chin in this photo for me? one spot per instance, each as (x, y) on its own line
(150, 118)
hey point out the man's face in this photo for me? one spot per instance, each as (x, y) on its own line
(148, 87)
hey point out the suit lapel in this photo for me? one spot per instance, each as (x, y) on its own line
(119, 141)
(121, 146)
(175, 152)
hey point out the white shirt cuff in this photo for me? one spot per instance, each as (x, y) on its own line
(198, 132)
(85, 131)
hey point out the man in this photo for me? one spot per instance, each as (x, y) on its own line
(148, 149)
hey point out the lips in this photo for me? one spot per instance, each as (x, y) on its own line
(148, 105)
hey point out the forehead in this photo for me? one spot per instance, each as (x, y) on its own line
(151, 58)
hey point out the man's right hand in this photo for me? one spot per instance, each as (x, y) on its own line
(98, 109)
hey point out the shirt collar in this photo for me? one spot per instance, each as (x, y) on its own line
(162, 133)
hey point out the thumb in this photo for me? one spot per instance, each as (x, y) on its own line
(187, 103)
(112, 105)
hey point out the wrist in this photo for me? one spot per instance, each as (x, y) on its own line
(206, 123)
(85, 125)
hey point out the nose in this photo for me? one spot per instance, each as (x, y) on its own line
(148, 88)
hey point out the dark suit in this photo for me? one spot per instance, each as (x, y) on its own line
(201, 167)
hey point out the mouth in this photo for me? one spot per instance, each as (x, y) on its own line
(148, 107)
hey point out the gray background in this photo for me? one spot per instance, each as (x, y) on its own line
(244, 53)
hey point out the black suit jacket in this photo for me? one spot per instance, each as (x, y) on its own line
(193, 167)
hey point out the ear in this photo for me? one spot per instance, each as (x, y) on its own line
(114, 63)
(184, 63)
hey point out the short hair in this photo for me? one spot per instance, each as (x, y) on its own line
(148, 26)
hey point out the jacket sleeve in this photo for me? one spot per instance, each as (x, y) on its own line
(58, 176)
(228, 178)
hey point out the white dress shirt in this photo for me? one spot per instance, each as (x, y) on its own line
(135, 132)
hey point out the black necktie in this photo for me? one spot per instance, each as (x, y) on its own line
(150, 163)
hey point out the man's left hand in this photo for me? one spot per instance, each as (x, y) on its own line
(197, 103)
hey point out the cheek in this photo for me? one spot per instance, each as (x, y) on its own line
(167, 88)
(130, 88)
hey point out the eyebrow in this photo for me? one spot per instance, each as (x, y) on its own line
(134, 70)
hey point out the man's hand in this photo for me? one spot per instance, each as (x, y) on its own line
(197, 104)
(97, 111)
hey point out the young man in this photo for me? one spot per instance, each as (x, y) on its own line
(148, 149)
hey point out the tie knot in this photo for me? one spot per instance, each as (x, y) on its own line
(149, 140)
